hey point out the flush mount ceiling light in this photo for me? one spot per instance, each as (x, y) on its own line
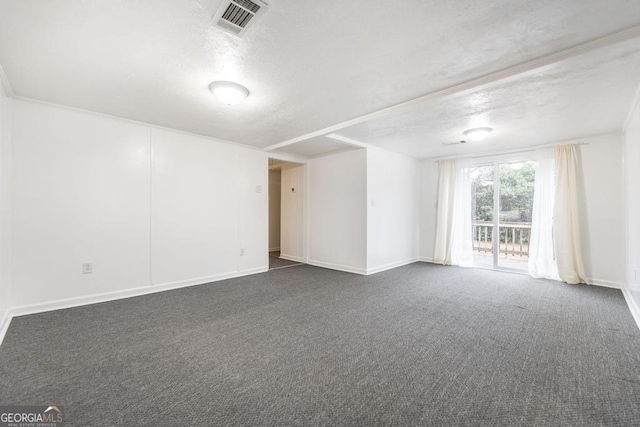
(477, 134)
(229, 93)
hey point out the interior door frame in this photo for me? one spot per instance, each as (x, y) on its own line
(302, 227)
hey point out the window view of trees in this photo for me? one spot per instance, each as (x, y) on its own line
(482, 193)
(516, 192)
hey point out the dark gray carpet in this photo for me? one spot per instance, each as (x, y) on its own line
(276, 262)
(417, 345)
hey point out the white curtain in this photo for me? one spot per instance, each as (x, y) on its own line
(453, 232)
(446, 194)
(542, 263)
(462, 243)
(566, 231)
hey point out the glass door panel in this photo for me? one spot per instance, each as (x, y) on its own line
(515, 204)
(482, 202)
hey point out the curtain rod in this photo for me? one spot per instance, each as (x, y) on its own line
(502, 153)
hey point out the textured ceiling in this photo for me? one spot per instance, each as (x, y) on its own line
(587, 95)
(308, 64)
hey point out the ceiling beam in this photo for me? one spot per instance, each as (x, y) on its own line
(348, 141)
(479, 83)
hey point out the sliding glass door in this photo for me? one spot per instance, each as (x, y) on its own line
(501, 205)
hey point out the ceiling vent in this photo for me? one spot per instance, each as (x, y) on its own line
(235, 16)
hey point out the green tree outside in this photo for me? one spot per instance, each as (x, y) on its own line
(516, 193)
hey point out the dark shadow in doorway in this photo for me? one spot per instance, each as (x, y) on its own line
(276, 262)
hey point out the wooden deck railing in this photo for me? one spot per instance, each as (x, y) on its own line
(514, 238)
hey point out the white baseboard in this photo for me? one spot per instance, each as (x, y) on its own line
(207, 279)
(274, 249)
(128, 293)
(633, 306)
(389, 266)
(605, 283)
(345, 268)
(291, 258)
(5, 321)
(251, 271)
(424, 259)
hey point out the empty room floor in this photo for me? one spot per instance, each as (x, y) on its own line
(417, 345)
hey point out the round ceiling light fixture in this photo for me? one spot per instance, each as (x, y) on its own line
(229, 93)
(477, 134)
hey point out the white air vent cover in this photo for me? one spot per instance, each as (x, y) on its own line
(235, 16)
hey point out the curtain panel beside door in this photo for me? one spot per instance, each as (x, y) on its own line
(454, 244)
(542, 259)
(446, 194)
(566, 220)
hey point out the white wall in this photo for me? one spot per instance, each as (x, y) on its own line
(393, 198)
(631, 154)
(338, 211)
(147, 206)
(80, 194)
(601, 202)
(275, 177)
(204, 200)
(292, 225)
(5, 208)
(602, 218)
(253, 211)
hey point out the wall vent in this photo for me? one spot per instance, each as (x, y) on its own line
(235, 16)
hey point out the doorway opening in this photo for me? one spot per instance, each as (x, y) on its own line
(286, 214)
(502, 206)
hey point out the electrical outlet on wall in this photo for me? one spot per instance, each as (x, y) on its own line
(87, 268)
(241, 251)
